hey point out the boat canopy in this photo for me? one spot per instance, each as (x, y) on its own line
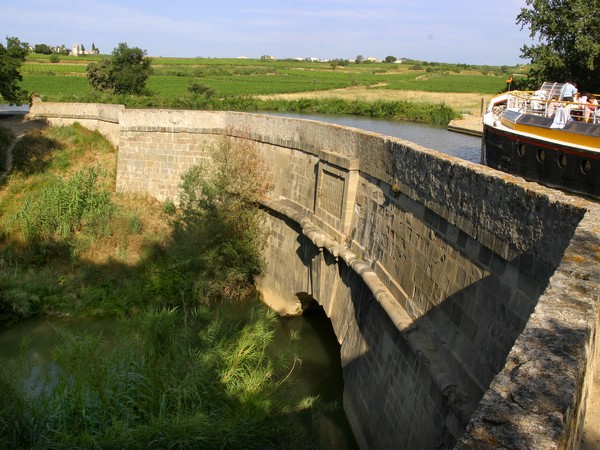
(549, 90)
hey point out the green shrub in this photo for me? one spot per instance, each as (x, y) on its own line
(64, 207)
(219, 233)
(166, 384)
(201, 89)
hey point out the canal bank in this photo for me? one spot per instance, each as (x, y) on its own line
(471, 125)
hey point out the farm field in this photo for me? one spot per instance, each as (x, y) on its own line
(459, 87)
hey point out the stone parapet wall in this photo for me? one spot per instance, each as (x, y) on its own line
(95, 116)
(450, 286)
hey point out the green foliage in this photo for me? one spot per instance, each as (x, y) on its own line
(42, 48)
(166, 384)
(54, 58)
(568, 32)
(64, 207)
(125, 72)
(201, 89)
(169, 207)
(24, 290)
(12, 57)
(219, 233)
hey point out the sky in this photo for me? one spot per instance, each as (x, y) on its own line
(459, 31)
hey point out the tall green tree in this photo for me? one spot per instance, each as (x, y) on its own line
(125, 72)
(42, 48)
(12, 57)
(567, 33)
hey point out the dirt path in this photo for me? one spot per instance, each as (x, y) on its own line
(19, 126)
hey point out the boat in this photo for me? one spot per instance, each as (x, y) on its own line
(537, 136)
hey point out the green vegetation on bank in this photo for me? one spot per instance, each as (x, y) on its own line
(185, 371)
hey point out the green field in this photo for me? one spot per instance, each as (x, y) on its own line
(238, 83)
(234, 77)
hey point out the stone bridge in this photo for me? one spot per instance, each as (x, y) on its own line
(464, 299)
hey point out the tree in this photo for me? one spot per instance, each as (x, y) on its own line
(220, 233)
(568, 32)
(390, 59)
(359, 59)
(42, 48)
(125, 72)
(201, 89)
(11, 58)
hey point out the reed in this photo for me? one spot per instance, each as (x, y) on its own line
(164, 384)
(65, 207)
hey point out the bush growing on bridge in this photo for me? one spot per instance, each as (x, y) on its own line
(219, 232)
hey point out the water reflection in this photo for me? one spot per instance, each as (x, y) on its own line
(437, 138)
(320, 374)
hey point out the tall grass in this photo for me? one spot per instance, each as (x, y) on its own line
(53, 209)
(166, 384)
(64, 208)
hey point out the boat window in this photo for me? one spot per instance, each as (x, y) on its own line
(586, 166)
(541, 155)
(521, 150)
(562, 161)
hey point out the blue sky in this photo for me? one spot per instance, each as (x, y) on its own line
(460, 31)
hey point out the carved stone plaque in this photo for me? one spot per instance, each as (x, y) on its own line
(331, 197)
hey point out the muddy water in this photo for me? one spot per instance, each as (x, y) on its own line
(319, 374)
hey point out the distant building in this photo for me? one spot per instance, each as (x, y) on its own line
(76, 50)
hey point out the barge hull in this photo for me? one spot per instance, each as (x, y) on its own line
(552, 164)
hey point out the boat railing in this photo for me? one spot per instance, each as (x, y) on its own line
(543, 103)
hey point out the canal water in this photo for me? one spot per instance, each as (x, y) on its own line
(320, 373)
(433, 137)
